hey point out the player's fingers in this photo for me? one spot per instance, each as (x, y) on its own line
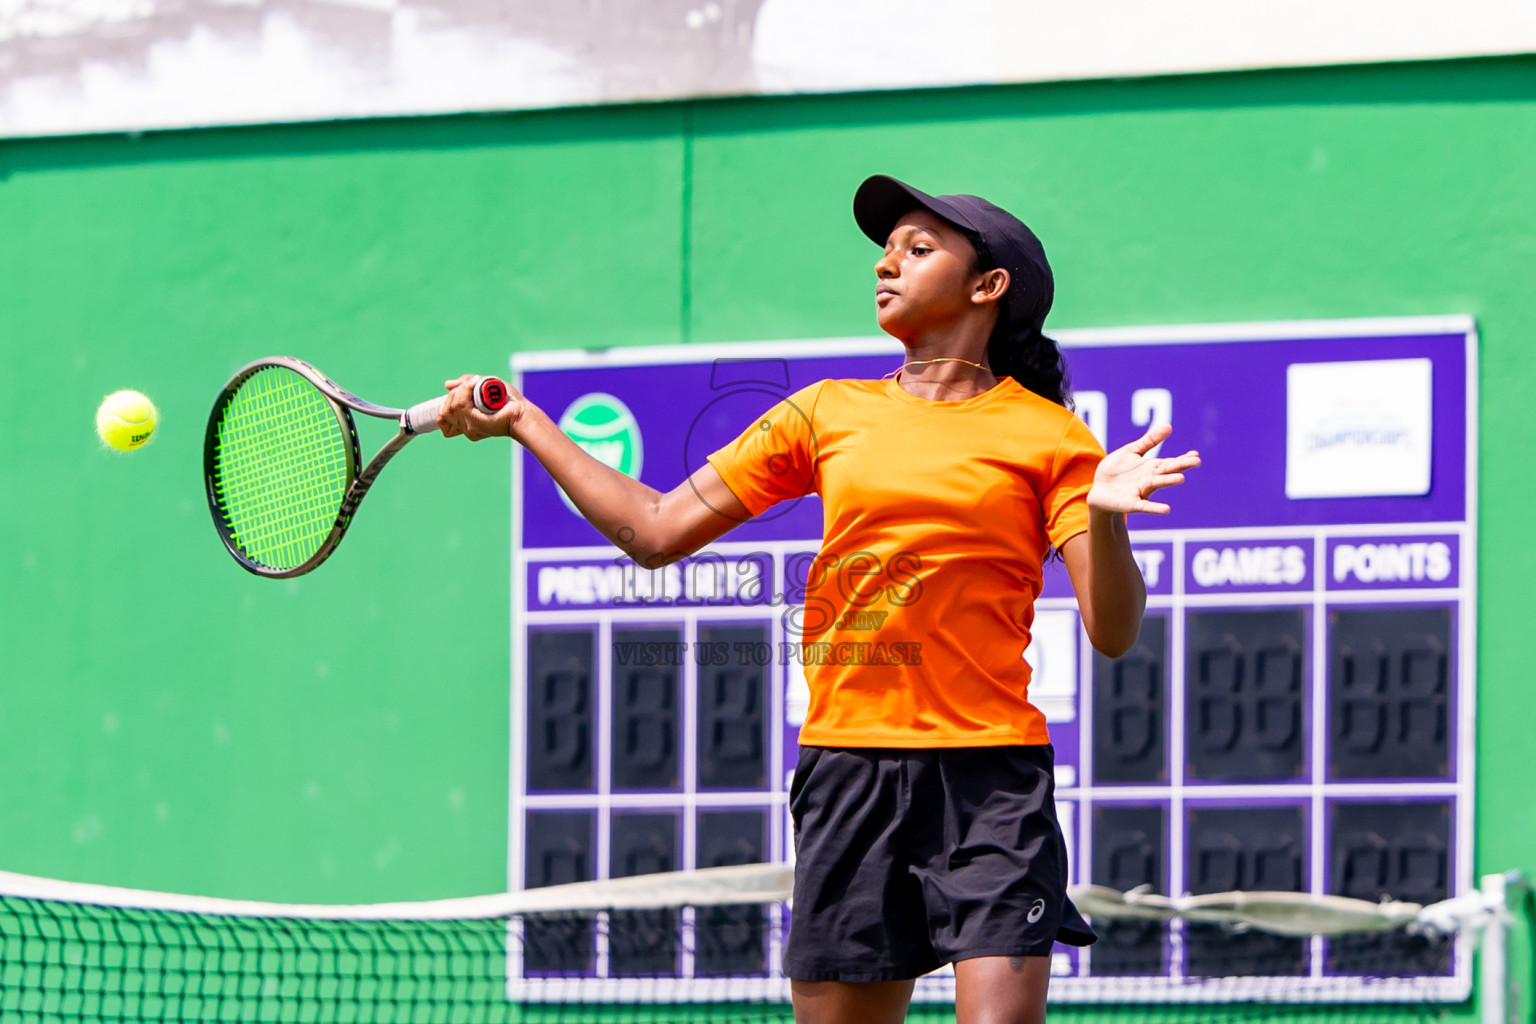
(454, 418)
(476, 425)
(451, 419)
(1155, 435)
(462, 378)
(460, 402)
(1154, 507)
(1179, 463)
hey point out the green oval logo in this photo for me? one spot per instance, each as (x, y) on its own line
(605, 429)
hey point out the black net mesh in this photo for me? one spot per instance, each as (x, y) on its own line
(63, 962)
(75, 962)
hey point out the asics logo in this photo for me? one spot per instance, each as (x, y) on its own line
(1036, 911)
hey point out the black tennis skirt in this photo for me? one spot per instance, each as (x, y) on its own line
(906, 860)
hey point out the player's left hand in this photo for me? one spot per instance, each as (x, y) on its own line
(1126, 477)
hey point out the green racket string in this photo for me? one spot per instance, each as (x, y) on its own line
(281, 467)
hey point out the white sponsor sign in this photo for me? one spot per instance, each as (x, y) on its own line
(1358, 429)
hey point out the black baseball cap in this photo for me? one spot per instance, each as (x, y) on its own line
(881, 201)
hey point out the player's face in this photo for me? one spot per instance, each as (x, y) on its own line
(926, 277)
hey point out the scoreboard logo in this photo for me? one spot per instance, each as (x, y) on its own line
(604, 428)
(1359, 428)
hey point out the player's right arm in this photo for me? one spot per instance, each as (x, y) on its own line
(652, 527)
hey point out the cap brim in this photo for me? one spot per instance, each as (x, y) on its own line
(881, 201)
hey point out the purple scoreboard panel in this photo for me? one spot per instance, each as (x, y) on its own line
(1296, 715)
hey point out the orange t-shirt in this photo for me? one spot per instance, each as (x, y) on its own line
(937, 519)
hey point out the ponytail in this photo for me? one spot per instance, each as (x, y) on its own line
(1021, 350)
(1030, 358)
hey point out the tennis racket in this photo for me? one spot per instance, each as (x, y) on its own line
(284, 473)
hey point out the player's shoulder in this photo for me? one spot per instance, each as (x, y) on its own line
(1023, 401)
(1046, 421)
(1014, 397)
(852, 387)
(835, 392)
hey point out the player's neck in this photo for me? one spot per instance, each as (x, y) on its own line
(947, 369)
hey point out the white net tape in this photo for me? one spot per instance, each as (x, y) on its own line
(738, 884)
(1295, 914)
(73, 951)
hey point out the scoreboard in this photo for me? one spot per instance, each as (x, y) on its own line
(1297, 713)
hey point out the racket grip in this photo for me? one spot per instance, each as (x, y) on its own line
(490, 395)
(421, 418)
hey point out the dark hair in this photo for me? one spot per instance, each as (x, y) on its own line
(1026, 355)
(1023, 352)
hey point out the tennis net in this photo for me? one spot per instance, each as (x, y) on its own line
(705, 946)
(683, 946)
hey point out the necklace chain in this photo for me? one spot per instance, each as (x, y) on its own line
(940, 359)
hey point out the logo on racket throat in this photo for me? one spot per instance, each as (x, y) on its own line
(604, 428)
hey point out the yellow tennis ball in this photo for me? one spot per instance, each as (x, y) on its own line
(126, 420)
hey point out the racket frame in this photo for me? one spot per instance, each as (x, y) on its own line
(359, 478)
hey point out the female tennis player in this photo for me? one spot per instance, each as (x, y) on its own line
(925, 831)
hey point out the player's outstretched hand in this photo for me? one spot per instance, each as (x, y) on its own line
(459, 415)
(1126, 477)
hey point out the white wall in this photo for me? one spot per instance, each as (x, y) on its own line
(71, 66)
(848, 44)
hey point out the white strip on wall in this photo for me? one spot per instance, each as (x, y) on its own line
(73, 66)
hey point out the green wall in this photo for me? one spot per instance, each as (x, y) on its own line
(168, 721)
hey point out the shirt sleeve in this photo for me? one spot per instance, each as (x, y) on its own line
(774, 459)
(1065, 501)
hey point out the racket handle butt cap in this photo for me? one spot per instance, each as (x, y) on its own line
(490, 395)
